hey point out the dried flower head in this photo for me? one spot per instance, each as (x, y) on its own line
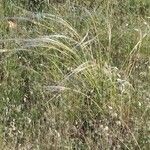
(12, 24)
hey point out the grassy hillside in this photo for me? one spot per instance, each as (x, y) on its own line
(75, 75)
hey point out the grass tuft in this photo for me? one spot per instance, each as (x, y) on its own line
(75, 74)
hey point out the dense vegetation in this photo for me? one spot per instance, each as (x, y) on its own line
(75, 74)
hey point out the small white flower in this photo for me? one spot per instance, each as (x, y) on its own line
(118, 123)
(29, 120)
(136, 29)
(106, 128)
(12, 24)
(139, 104)
(145, 23)
(110, 107)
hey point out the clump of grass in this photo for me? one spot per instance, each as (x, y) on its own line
(75, 76)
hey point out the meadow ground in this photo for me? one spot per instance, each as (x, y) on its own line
(75, 75)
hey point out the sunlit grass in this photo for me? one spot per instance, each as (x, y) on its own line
(75, 75)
